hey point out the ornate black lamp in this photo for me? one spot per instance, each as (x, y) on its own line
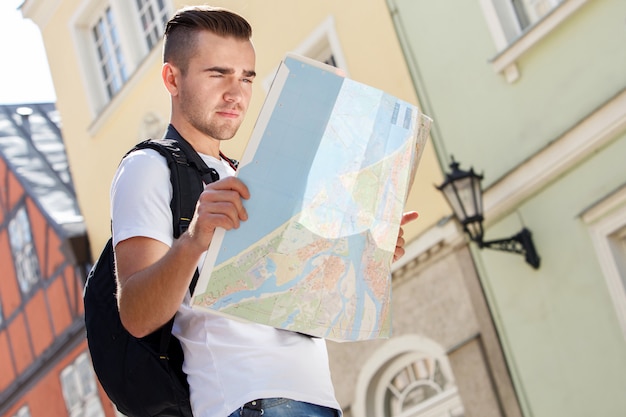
(464, 193)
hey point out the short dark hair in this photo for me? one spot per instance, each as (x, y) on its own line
(181, 30)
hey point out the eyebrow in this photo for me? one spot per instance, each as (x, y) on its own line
(229, 71)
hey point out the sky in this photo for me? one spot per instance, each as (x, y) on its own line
(24, 71)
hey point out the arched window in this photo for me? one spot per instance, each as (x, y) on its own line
(409, 376)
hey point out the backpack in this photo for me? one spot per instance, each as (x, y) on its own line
(144, 377)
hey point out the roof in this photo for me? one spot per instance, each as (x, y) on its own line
(32, 145)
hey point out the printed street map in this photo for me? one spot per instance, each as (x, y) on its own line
(329, 166)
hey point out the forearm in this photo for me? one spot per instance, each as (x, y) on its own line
(153, 281)
(154, 278)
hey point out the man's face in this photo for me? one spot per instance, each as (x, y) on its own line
(215, 92)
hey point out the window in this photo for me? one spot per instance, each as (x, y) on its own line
(517, 25)
(24, 411)
(322, 45)
(417, 385)
(528, 12)
(110, 57)
(114, 39)
(409, 376)
(606, 222)
(23, 249)
(80, 390)
(153, 15)
(330, 60)
(516, 16)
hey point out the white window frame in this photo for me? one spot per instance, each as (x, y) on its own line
(384, 364)
(22, 246)
(134, 47)
(510, 41)
(606, 222)
(80, 390)
(534, 10)
(322, 43)
(447, 400)
(154, 32)
(111, 58)
(24, 411)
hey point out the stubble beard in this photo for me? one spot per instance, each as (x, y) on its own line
(215, 130)
(204, 121)
(212, 128)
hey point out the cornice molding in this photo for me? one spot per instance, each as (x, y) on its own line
(590, 134)
(39, 11)
(506, 61)
(580, 142)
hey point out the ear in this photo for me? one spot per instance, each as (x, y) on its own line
(170, 75)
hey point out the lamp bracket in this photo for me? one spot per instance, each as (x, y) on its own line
(521, 243)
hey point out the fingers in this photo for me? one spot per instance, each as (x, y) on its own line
(230, 184)
(409, 216)
(406, 218)
(399, 251)
(221, 203)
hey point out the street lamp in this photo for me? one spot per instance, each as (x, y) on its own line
(464, 193)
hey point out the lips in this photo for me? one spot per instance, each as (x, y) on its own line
(228, 113)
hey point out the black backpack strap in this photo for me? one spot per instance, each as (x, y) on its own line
(193, 159)
(186, 179)
(188, 174)
(208, 175)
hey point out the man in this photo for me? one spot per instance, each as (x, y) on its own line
(233, 368)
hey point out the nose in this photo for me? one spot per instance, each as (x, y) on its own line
(233, 93)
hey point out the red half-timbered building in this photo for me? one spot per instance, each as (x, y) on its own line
(45, 369)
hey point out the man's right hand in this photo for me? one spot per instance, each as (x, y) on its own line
(219, 205)
(153, 278)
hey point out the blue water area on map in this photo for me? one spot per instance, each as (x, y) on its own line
(353, 306)
(290, 142)
(305, 137)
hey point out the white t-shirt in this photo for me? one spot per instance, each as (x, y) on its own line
(227, 362)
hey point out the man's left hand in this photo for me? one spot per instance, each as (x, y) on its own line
(406, 217)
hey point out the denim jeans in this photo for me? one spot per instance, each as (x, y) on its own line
(283, 407)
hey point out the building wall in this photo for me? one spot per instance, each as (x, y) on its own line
(564, 314)
(55, 297)
(550, 142)
(45, 395)
(40, 327)
(439, 311)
